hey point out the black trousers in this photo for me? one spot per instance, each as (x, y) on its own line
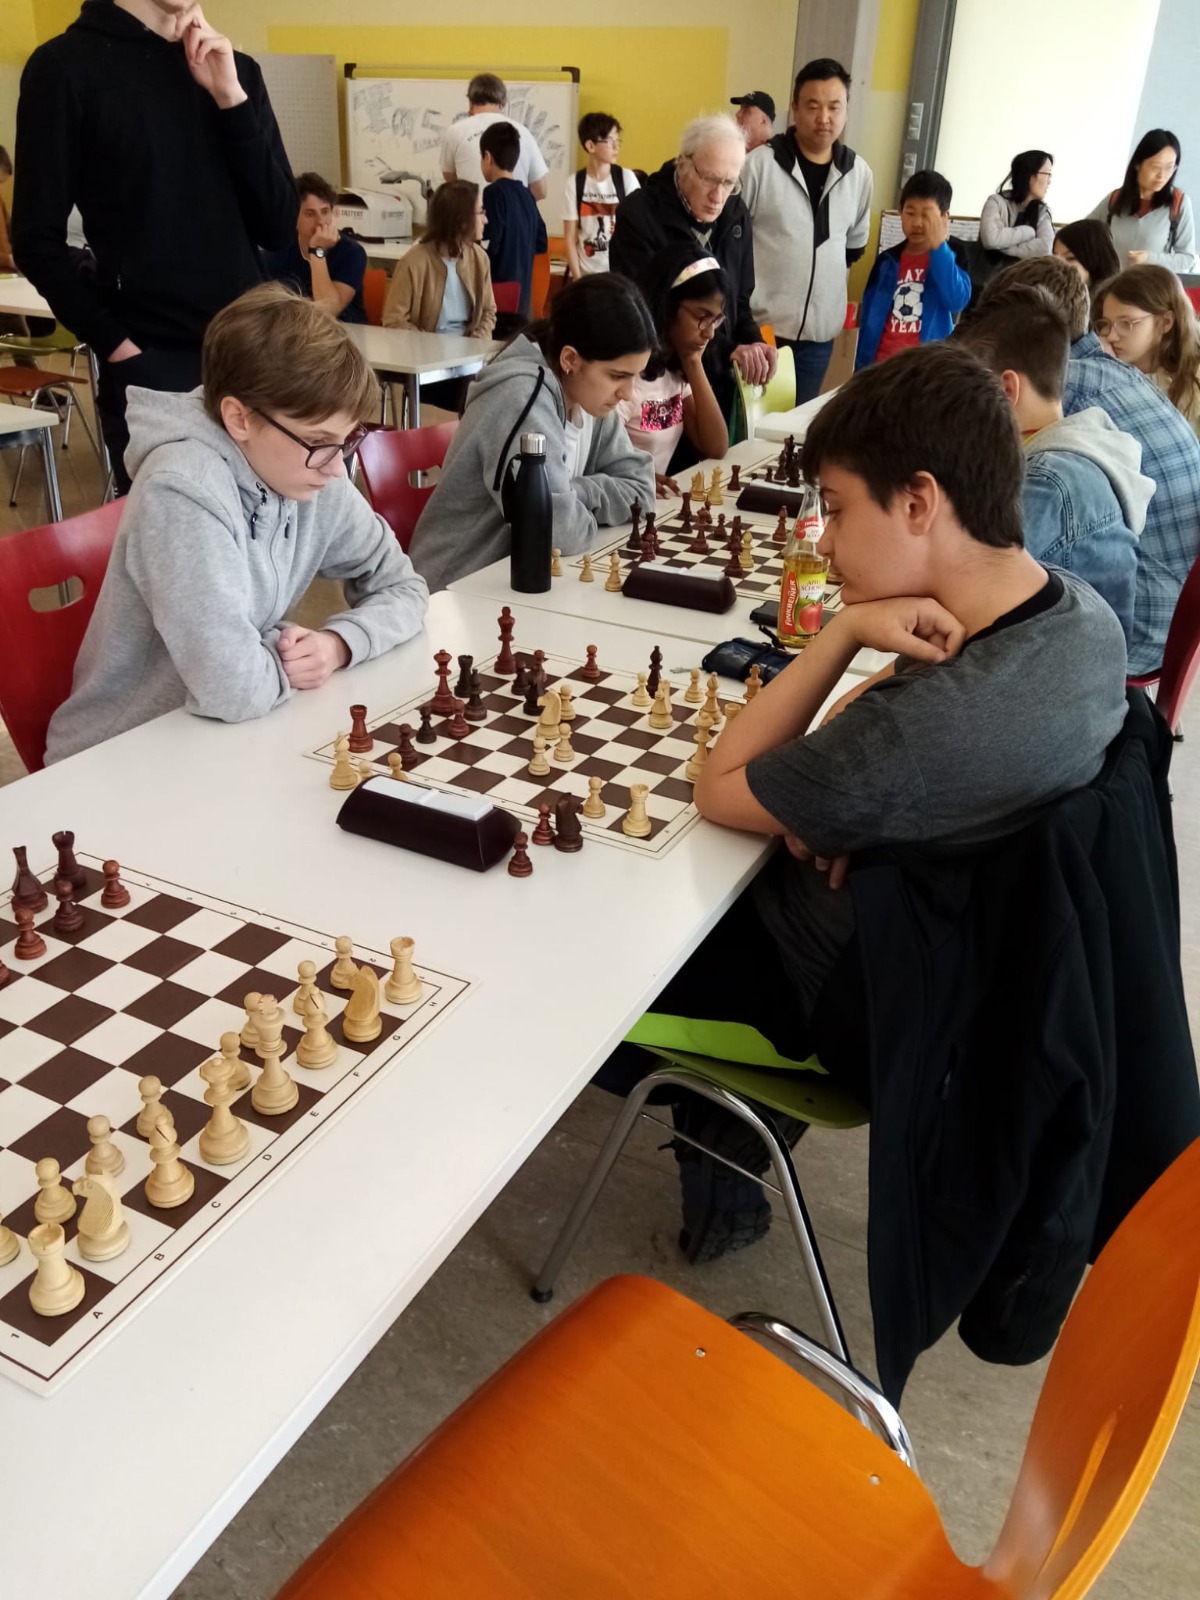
(174, 371)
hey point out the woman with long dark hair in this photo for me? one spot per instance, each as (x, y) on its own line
(1150, 216)
(564, 378)
(1016, 219)
(1087, 245)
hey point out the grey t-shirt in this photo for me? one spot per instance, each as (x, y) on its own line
(963, 751)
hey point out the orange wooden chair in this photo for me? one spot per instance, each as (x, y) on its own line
(1181, 654)
(642, 1447)
(389, 459)
(375, 288)
(40, 647)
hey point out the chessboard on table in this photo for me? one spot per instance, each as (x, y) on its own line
(612, 739)
(148, 990)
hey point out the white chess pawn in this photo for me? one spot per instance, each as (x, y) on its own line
(538, 765)
(104, 1155)
(694, 694)
(566, 712)
(54, 1204)
(563, 753)
(10, 1244)
(318, 1048)
(587, 576)
(151, 1091)
(594, 806)
(306, 994)
(249, 1034)
(641, 695)
(344, 969)
(613, 582)
(660, 713)
(239, 1072)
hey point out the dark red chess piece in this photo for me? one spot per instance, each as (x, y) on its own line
(735, 478)
(590, 672)
(69, 917)
(733, 567)
(458, 727)
(635, 519)
(654, 677)
(30, 945)
(476, 710)
(505, 661)
(360, 740)
(685, 509)
(26, 890)
(699, 545)
(406, 750)
(779, 535)
(442, 703)
(543, 833)
(425, 734)
(520, 866)
(115, 893)
(68, 867)
(568, 835)
(5, 974)
(463, 686)
(646, 552)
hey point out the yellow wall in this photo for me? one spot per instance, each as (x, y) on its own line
(881, 131)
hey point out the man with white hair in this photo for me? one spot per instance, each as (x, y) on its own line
(810, 197)
(487, 104)
(697, 197)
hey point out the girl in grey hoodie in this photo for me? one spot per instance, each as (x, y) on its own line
(565, 377)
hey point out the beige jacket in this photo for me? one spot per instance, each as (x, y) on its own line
(414, 297)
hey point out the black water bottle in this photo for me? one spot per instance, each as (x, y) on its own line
(530, 515)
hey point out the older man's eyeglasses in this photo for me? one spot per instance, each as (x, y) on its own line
(714, 184)
(321, 455)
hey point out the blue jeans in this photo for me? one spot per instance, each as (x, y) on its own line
(812, 358)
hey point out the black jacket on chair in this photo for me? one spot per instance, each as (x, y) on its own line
(1032, 1071)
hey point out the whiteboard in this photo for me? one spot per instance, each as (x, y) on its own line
(303, 91)
(398, 124)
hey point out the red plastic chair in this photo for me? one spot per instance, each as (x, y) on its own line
(1194, 296)
(375, 288)
(1181, 655)
(388, 458)
(508, 297)
(38, 659)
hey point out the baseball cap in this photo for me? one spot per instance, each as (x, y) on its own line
(758, 98)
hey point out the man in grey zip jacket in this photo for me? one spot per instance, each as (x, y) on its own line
(462, 527)
(810, 199)
(207, 563)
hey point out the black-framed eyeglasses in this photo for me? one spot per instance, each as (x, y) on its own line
(321, 455)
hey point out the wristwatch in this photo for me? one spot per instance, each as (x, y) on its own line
(318, 252)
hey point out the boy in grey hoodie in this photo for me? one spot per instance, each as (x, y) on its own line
(240, 498)
(1085, 497)
(563, 378)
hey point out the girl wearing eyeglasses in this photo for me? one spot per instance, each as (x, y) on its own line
(1016, 219)
(673, 397)
(1147, 321)
(1151, 219)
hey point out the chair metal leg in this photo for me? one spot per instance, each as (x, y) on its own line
(543, 1288)
(12, 499)
(787, 1187)
(53, 501)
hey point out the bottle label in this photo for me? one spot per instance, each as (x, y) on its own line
(800, 603)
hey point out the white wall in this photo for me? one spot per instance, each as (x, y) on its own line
(1169, 95)
(1058, 75)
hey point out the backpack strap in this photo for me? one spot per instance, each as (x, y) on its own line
(580, 181)
(618, 176)
(1112, 204)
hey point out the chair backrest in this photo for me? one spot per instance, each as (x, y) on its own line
(755, 400)
(388, 458)
(38, 658)
(1181, 654)
(541, 283)
(375, 288)
(1193, 295)
(1117, 1384)
(508, 297)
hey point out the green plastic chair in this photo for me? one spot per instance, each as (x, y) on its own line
(755, 400)
(803, 1092)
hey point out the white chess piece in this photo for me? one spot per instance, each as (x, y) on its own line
(403, 988)
(103, 1231)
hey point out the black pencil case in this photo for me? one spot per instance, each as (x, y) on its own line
(735, 657)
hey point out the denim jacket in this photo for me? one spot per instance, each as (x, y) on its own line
(1085, 504)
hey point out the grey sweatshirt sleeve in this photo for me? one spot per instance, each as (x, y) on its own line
(616, 475)
(184, 560)
(388, 599)
(996, 234)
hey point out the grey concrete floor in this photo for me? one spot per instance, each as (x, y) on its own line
(969, 1420)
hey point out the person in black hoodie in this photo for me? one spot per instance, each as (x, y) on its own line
(145, 117)
(696, 198)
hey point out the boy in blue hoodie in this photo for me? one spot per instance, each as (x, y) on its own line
(240, 499)
(917, 288)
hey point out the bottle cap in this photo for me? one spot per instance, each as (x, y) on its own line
(533, 444)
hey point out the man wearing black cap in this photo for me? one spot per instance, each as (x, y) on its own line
(755, 117)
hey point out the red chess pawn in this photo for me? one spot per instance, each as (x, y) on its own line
(520, 866)
(458, 727)
(69, 917)
(30, 945)
(590, 672)
(5, 974)
(506, 663)
(360, 740)
(699, 545)
(647, 549)
(735, 477)
(543, 833)
(115, 893)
